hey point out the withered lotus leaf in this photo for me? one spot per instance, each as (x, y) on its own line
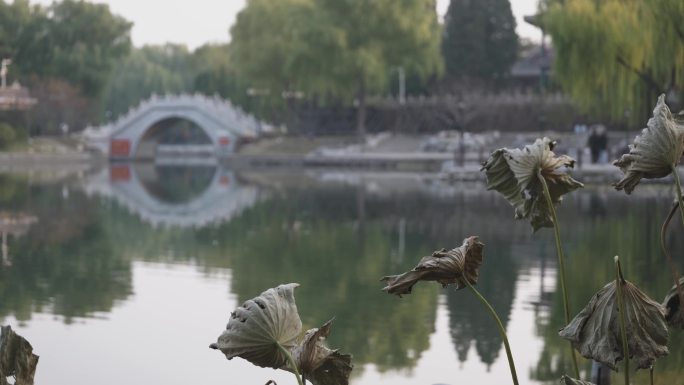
(320, 364)
(595, 331)
(16, 358)
(565, 380)
(446, 267)
(256, 328)
(513, 173)
(655, 151)
(673, 309)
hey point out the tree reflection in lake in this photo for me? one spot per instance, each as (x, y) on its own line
(624, 226)
(311, 236)
(336, 236)
(468, 319)
(65, 264)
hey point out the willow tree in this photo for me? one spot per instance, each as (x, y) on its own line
(334, 49)
(616, 56)
(374, 38)
(263, 39)
(152, 69)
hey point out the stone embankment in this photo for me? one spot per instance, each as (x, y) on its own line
(452, 156)
(25, 162)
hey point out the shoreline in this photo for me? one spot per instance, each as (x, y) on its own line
(440, 164)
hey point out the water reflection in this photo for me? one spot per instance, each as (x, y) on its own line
(16, 225)
(624, 226)
(469, 320)
(336, 234)
(182, 196)
(64, 264)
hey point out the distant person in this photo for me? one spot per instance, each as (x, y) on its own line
(598, 144)
(602, 140)
(593, 144)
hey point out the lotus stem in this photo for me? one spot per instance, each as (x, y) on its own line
(502, 330)
(292, 363)
(675, 174)
(561, 263)
(651, 374)
(619, 281)
(668, 255)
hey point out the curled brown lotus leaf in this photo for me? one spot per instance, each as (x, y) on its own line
(655, 151)
(565, 380)
(446, 267)
(318, 363)
(595, 331)
(16, 358)
(256, 328)
(673, 308)
(514, 174)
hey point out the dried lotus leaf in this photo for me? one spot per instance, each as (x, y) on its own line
(565, 380)
(655, 151)
(256, 328)
(595, 331)
(320, 364)
(16, 358)
(673, 308)
(446, 267)
(514, 174)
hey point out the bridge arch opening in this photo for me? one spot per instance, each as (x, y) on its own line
(174, 136)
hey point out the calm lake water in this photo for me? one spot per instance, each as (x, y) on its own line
(126, 275)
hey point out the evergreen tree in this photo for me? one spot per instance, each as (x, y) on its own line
(479, 39)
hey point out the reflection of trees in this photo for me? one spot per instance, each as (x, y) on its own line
(13, 191)
(65, 264)
(288, 240)
(337, 242)
(76, 260)
(175, 184)
(469, 321)
(135, 239)
(628, 227)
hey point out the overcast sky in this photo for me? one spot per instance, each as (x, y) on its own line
(195, 22)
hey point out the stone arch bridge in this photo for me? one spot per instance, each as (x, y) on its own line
(172, 126)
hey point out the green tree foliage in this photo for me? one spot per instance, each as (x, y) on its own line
(335, 49)
(76, 41)
(7, 135)
(215, 74)
(13, 19)
(479, 39)
(262, 37)
(614, 56)
(171, 69)
(148, 70)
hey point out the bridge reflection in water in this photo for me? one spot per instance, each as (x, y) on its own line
(188, 195)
